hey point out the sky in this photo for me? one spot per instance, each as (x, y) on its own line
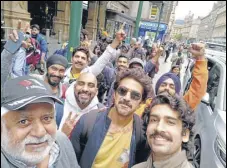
(199, 8)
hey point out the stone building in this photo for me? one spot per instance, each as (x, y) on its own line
(194, 29)
(176, 30)
(219, 32)
(213, 26)
(187, 25)
(54, 15)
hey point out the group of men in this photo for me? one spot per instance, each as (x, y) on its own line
(57, 120)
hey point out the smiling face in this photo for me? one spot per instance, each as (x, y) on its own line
(165, 131)
(55, 73)
(167, 86)
(79, 60)
(122, 63)
(126, 99)
(28, 134)
(85, 89)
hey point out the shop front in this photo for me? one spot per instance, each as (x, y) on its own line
(148, 30)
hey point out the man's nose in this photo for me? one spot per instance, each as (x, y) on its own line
(38, 129)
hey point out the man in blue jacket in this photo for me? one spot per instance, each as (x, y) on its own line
(115, 138)
(42, 42)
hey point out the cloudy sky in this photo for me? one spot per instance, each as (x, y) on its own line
(199, 8)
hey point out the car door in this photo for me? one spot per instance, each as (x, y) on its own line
(205, 118)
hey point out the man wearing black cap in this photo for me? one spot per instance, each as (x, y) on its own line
(28, 127)
(56, 66)
(43, 44)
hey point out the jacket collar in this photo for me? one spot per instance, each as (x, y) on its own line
(175, 161)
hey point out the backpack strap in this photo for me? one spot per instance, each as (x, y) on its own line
(139, 126)
(89, 122)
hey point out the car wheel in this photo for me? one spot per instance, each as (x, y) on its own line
(197, 153)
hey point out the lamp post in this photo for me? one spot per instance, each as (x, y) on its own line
(74, 27)
(138, 19)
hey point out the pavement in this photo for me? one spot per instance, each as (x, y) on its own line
(53, 46)
(165, 67)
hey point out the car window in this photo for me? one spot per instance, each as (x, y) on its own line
(212, 85)
(216, 47)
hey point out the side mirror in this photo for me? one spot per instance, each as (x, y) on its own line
(206, 99)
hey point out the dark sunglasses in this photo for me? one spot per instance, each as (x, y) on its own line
(122, 91)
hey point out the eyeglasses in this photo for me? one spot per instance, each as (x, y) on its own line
(122, 91)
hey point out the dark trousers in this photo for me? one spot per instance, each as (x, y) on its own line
(167, 55)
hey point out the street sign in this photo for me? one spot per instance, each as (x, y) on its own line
(154, 11)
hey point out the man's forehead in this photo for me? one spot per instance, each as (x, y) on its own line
(122, 59)
(80, 53)
(58, 66)
(87, 77)
(169, 81)
(164, 111)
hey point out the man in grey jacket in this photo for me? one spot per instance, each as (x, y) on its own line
(168, 122)
(28, 128)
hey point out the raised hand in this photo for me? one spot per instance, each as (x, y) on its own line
(197, 50)
(69, 124)
(14, 35)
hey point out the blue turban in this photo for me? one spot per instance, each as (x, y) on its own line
(166, 76)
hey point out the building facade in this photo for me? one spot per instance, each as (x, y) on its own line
(53, 15)
(219, 32)
(176, 30)
(213, 26)
(194, 30)
(171, 20)
(187, 26)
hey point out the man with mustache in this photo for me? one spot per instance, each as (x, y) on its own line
(170, 83)
(56, 66)
(81, 59)
(114, 138)
(81, 98)
(28, 128)
(168, 122)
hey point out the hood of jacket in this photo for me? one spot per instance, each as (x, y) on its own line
(71, 101)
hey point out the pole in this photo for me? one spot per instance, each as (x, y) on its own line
(138, 19)
(97, 33)
(74, 27)
(159, 19)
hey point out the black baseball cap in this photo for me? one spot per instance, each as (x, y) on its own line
(24, 90)
(36, 26)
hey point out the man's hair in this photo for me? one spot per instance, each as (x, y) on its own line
(176, 103)
(123, 56)
(84, 50)
(138, 75)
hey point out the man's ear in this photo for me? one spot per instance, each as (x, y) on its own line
(185, 135)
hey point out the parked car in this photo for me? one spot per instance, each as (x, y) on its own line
(209, 138)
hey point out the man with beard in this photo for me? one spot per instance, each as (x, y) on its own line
(168, 123)
(170, 83)
(81, 98)
(56, 66)
(114, 138)
(28, 127)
